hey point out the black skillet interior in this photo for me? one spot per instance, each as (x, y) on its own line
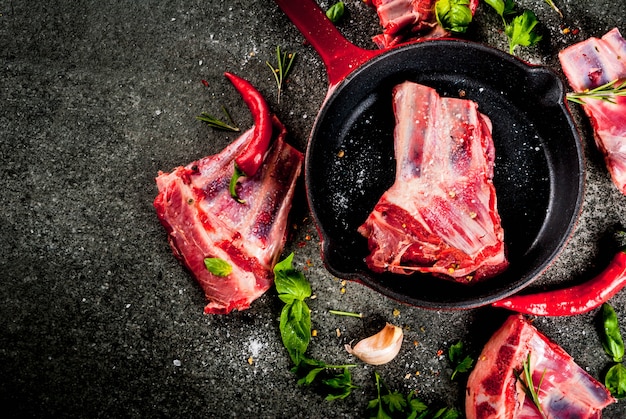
(538, 172)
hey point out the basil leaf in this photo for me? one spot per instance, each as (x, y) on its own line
(612, 343)
(295, 329)
(218, 266)
(615, 381)
(290, 283)
(453, 15)
(335, 12)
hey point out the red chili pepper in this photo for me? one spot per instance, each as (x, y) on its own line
(574, 300)
(252, 156)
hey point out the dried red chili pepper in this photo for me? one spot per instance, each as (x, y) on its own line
(574, 300)
(252, 156)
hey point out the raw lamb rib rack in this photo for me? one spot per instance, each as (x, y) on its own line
(592, 63)
(440, 214)
(203, 220)
(565, 390)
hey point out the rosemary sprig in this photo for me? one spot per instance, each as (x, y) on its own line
(218, 123)
(285, 60)
(556, 9)
(607, 92)
(528, 385)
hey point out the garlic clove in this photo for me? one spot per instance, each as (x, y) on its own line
(380, 348)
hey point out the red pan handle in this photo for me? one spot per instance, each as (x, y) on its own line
(339, 55)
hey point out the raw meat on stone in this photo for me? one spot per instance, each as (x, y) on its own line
(404, 20)
(566, 390)
(440, 215)
(587, 65)
(203, 220)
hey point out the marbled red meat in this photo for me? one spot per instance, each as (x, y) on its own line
(566, 390)
(203, 220)
(403, 20)
(592, 63)
(440, 215)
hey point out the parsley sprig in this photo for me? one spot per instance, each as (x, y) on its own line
(607, 92)
(461, 363)
(295, 329)
(393, 404)
(519, 28)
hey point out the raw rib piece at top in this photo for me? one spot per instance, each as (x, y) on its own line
(406, 20)
(440, 215)
(203, 220)
(592, 63)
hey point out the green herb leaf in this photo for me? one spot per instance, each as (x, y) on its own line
(453, 15)
(393, 404)
(337, 385)
(232, 186)
(615, 381)
(340, 386)
(461, 363)
(612, 341)
(519, 28)
(214, 122)
(446, 413)
(310, 376)
(335, 12)
(295, 329)
(218, 266)
(290, 283)
(464, 366)
(455, 352)
(521, 31)
(504, 8)
(283, 66)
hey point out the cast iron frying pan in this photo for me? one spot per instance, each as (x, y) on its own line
(349, 160)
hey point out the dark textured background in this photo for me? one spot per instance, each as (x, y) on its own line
(97, 318)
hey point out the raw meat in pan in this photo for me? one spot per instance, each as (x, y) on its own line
(403, 20)
(592, 63)
(565, 390)
(440, 215)
(203, 220)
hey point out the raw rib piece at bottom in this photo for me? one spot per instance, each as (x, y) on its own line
(494, 390)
